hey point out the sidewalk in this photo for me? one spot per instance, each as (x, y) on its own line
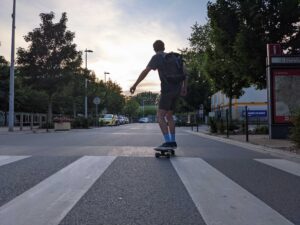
(26, 130)
(284, 145)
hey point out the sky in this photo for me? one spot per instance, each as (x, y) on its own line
(120, 32)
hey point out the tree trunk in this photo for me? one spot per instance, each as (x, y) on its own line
(74, 109)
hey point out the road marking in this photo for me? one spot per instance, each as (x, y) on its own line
(221, 201)
(282, 164)
(48, 202)
(6, 159)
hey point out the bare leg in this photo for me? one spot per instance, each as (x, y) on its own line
(171, 123)
(162, 121)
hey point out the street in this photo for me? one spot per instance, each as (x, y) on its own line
(110, 176)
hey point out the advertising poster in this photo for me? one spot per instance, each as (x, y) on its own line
(286, 93)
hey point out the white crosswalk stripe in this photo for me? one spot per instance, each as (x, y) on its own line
(221, 201)
(6, 159)
(282, 164)
(49, 201)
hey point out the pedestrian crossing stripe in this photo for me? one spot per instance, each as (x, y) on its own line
(6, 159)
(218, 199)
(282, 164)
(48, 202)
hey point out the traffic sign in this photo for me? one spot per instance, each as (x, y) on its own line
(96, 101)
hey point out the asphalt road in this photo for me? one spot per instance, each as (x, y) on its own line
(109, 176)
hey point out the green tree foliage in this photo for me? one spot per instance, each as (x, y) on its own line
(295, 131)
(222, 62)
(131, 108)
(263, 22)
(114, 100)
(149, 98)
(4, 84)
(51, 57)
(249, 26)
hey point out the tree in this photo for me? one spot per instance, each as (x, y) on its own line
(4, 84)
(221, 61)
(131, 108)
(255, 24)
(148, 98)
(51, 58)
(114, 100)
(262, 22)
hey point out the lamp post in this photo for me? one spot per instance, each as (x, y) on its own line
(12, 73)
(85, 98)
(105, 73)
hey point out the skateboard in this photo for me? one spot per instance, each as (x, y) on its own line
(168, 152)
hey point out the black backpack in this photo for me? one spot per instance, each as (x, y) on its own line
(172, 68)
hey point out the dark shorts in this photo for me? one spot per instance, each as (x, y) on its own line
(167, 101)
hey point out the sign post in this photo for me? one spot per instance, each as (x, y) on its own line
(96, 101)
(283, 80)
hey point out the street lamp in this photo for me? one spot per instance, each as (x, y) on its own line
(85, 98)
(12, 73)
(105, 73)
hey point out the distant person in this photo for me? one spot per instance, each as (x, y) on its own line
(173, 79)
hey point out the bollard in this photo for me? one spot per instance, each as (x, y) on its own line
(31, 121)
(227, 126)
(21, 121)
(246, 125)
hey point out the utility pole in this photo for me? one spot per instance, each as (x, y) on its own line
(85, 85)
(12, 73)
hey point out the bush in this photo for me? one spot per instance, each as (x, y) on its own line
(80, 122)
(213, 125)
(295, 131)
(221, 126)
(262, 130)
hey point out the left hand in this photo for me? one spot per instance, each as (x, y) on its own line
(132, 89)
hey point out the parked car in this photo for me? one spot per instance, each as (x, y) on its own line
(144, 120)
(108, 119)
(121, 120)
(126, 120)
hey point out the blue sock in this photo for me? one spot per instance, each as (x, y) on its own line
(167, 137)
(172, 137)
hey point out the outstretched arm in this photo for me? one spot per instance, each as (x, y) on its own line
(141, 77)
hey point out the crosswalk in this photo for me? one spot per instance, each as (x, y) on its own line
(143, 190)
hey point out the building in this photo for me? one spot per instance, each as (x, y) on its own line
(255, 100)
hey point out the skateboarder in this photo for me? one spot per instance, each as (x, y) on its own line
(171, 89)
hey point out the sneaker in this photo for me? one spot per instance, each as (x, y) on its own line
(173, 144)
(166, 145)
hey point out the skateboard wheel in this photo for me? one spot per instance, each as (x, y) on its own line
(157, 155)
(167, 156)
(172, 152)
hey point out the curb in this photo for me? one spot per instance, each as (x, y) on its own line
(249, 146)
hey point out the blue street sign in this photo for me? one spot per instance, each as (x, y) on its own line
(256, 113)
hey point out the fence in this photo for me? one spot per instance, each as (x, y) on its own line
(24, 119)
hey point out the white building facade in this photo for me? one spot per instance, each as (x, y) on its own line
(255, 100)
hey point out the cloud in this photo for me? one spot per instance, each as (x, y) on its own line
(120, 33)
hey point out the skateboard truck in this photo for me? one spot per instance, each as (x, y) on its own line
(164, 153)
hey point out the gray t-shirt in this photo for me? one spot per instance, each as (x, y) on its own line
(155, 64)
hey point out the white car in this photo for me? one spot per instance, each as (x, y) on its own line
(144, 120)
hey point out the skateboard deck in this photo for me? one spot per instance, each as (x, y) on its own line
(168, 152)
